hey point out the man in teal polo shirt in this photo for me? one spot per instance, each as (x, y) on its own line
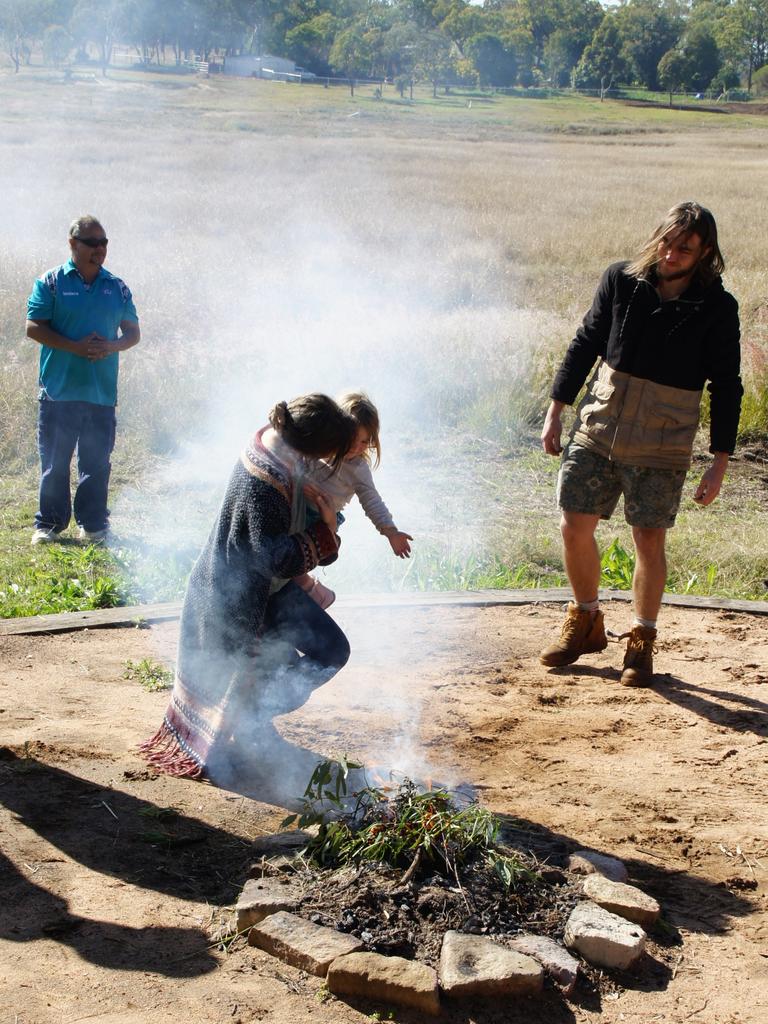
(82, 316)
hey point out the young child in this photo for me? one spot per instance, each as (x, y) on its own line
(354, 477)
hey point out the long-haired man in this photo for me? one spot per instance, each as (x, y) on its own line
(661, 328)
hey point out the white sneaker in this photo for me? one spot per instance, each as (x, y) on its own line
(93, 536)
(43, 536)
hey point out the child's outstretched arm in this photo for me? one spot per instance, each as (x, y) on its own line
(398, 541)
(377, 511)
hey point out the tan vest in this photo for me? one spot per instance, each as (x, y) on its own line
(638, 422)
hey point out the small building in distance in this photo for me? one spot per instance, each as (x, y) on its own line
(266, 66)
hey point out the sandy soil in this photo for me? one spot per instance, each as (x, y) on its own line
(102, 919)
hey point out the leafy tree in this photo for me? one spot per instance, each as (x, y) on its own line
(309, 44)
(747, 21)
(674, 71)
(400, 51)
(220, 24)
(434, 60)
(466, 72)
(540, 17)
(254, 16)
(726, 79)
(703, 55)
(692, 64)
(603, 62)
(649, 28)
(143, 25)
(495, 64)
(507, 21)
(760, 81)
(549, 34)
(574, 20)
(57, 44)
(22, 21)
(736, 28)
(558, 57)
(576, 24)
(101, 22)
(12, 27)
(462, 22)
(351, 54)
(427, 14)
(40, 14)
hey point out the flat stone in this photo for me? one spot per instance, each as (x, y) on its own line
(264, 896)
(587, 862)
(386, 979)
(310, 947)
(277, 852)
(602, 938)
(625, 900)
(280, 843)
(555, 960)
(473, 965)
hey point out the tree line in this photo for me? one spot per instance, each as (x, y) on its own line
(670, 44)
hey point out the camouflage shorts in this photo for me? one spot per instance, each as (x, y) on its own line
(590, 483)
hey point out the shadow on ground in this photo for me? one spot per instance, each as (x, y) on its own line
(724, 708)
(124, 837)
(119, 836)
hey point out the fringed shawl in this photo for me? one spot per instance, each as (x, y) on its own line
(223, 615)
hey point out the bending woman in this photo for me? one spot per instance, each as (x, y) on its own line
(252, 644)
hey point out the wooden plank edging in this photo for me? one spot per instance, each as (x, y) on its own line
(136, 615)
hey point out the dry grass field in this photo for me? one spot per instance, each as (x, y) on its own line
(440, 254)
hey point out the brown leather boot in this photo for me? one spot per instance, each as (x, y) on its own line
(582, 633)
(638, 661)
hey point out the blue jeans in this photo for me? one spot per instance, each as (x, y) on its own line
(63, 427)
(294, 619)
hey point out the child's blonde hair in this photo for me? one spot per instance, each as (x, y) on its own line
(362, 410)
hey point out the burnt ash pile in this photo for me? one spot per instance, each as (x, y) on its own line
(371, 902)
(402, 875)
(397, 865)
(417, 862)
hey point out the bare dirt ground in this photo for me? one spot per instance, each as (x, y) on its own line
(107, 903)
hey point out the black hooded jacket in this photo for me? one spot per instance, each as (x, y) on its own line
(685, 343)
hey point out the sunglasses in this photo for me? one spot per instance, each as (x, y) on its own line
(93, 243)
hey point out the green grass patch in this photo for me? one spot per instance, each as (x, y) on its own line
(71, 577)
(617, 567)
(717, 551)
(434, 568)
(150, 675)
(58, 578)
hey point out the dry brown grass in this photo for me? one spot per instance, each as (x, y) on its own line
(279, 240)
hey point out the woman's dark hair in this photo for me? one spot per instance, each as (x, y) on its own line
(315, 425)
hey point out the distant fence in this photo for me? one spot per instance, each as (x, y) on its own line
(124, 58)
(661, 96)
(305, 78)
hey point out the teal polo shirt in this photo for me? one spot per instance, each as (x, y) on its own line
(75, 309)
